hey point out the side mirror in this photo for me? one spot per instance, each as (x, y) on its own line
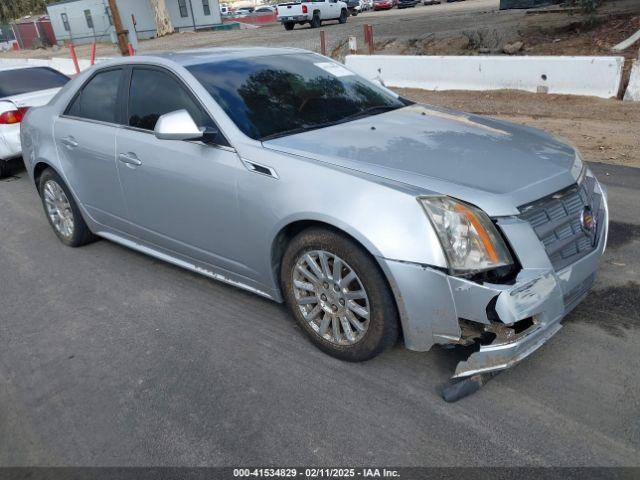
(178, 125)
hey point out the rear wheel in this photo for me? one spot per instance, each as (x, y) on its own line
(338, 295)
(289, 25)
(315, 21)
(343, 16)
(62, 211)
(4, 168)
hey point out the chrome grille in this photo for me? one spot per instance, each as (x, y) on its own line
(557, 222)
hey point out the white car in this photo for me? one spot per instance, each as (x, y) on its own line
(313, 13)
(22, 87)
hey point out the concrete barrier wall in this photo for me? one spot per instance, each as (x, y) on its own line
(64, 65)
(593, 76)
(633, 90)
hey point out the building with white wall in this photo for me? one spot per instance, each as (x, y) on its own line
(83, 21)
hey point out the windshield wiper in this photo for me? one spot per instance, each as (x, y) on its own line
(293, 131)
(362, 113)
(371, 111)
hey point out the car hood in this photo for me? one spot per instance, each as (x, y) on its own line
(493, 164)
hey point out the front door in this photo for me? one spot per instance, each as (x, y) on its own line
(85, 137)
(181, 195)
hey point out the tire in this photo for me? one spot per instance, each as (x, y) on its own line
(79, 233)
(335, 302)
(5, 168)
(315, 20)
(343, 17)
(289, 25)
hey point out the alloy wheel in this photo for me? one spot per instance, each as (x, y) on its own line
(58, 208)
(331, 297)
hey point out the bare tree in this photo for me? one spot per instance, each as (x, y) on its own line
(163, 22)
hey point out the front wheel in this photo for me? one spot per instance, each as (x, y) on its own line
(343, 16)
(338, 295)
(289, 25)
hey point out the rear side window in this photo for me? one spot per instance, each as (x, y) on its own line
(26, 80)
(154, 93)
(98, 99)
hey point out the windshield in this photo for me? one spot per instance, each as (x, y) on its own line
(25, 80)
(272, 96)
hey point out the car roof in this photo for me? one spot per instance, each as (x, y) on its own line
(18, 67)
(209, 55)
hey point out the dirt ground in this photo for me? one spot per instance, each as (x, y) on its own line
(606, 131)
(461, 28)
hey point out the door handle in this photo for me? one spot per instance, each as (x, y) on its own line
(129, 159)
(69, 142)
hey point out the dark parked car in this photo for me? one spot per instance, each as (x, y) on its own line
(407, 3)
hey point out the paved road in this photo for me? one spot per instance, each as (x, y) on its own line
(108, 357)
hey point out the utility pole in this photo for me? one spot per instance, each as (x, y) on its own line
(120, 31)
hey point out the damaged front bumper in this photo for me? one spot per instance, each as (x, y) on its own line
(508, 322)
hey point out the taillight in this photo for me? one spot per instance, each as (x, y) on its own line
(13, 116)
(304, 9)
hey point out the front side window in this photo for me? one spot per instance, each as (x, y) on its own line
(65, 22)
(24, 80)
(87, 16)
(98, 99)
(154, 93)
(279, 95)
(205, 7)
(182, 5)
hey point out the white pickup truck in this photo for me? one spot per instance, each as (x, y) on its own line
(313, 13)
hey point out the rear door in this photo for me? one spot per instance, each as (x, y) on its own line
(85, 137)
(181, 195)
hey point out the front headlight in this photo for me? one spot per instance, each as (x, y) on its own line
(469, 238)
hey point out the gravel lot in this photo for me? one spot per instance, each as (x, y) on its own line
(111, 358)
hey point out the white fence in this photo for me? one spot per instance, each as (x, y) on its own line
(593, 76)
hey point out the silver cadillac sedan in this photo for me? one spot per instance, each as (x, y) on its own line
(284, 173)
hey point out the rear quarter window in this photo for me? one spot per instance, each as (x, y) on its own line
(25, 80)
(98, 99)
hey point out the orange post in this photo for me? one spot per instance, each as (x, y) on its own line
(365, 28)
(93, 53)
(370, 36)
(132, 52)
(323, 44)
(74, 57)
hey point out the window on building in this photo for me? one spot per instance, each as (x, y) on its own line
(108, 14)
(182, 5)
(65, 22)
(98, 98)
(87, 16)
(205, 7)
